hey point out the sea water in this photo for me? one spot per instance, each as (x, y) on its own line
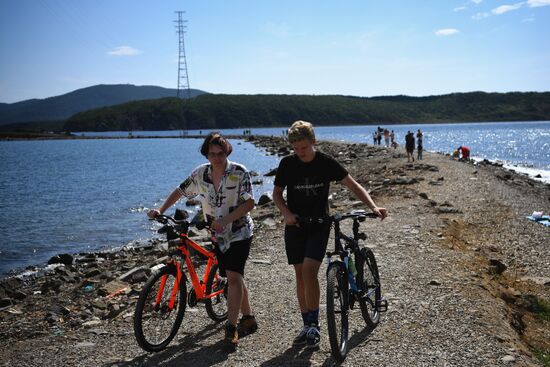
(70, 196)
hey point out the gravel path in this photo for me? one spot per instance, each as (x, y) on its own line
(448, 304)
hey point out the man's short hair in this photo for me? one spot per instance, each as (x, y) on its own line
(301, 130)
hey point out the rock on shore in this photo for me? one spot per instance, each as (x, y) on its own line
(465, 274)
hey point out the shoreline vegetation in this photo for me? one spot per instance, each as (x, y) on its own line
(466, 275)
(223, 111)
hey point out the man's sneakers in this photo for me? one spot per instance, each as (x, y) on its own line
(301, 339)
(231, 335)
(313, 336)
(247, 325)
(309, 336)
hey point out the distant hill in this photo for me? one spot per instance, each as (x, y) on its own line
(211, 111)
(66, 105)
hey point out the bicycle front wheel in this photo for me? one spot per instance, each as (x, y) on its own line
(369, 280)
(216, 307)
(158, 315)
(337, 310)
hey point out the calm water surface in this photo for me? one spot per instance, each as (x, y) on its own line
(68, 196)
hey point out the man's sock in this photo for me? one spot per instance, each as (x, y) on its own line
(305, 318)
(314, 317)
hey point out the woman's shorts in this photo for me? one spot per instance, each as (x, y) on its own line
(235, 257)
(306, 242)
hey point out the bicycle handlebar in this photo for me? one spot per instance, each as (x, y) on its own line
(164, 219)
(356, 214)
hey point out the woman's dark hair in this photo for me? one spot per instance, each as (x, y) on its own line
(215, 138)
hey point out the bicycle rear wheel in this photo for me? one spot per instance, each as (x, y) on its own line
(337, 310)
(369, 280)
(216, 307)
(155, 324)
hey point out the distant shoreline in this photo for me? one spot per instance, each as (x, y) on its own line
(30, 136)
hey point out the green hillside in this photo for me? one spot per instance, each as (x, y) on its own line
(210, 111)
(63, 106)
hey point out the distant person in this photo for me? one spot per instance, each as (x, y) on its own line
(378, 137)
(374, 134)
(392, 138)
(419, 146)
(464, 152)
(386, 138)
(409, 146)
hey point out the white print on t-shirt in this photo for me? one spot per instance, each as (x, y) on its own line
(309, 188)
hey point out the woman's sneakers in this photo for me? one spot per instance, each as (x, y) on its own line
(247, 325)
(309, 335)
(231, 335)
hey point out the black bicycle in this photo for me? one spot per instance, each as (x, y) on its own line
(352, 276)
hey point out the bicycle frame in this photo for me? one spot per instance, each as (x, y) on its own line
(199, 286)
(344, 254)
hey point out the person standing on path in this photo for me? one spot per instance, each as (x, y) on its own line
(419, 146)
(409, 146)
(307, 175)
(225, 191)
(386, 138)
(392, 137)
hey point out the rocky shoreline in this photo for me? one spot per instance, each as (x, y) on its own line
(467, 278)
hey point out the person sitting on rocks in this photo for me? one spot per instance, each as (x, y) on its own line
(225, 191)
(307, 175)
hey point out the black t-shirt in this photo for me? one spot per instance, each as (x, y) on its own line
(308, 183)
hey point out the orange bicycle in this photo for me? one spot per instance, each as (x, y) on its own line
(162, 301)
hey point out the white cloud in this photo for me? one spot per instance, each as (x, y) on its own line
(480, 16)
(459, 8)
(506, 8)
(446, 32)
(124, 51)
(537, 3)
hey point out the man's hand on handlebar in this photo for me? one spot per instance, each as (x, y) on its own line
(380, 212)
(291, 219)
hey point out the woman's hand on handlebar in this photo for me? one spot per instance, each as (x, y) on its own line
(153, 213)
(380, 212)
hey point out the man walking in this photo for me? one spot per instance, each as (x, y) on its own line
(306, 175)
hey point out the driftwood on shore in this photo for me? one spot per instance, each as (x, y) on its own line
(467, 279)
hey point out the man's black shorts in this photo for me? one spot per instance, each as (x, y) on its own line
(235, 258)
(306, 242)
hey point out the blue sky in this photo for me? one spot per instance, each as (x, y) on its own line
(350, 47)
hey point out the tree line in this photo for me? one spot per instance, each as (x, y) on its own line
(219, 111)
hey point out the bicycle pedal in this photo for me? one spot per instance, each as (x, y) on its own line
(382, 305)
